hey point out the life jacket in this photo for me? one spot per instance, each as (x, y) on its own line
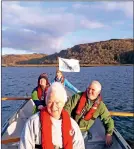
(39, 89)
(40, 94)
(46, 130)
(87, 115)
(62, 79)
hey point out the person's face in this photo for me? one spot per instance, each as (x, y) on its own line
(43, 82)
(93, 91)
(55, 105)
(59, 74)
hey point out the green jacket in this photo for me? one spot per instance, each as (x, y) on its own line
(102, 112)
(34, 95)
(36, 100)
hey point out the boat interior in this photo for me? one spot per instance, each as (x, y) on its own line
(11, 131)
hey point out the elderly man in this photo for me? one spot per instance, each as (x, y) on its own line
(86, 106)
(52, 127)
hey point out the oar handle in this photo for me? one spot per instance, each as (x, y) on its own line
(10, 140)
(16, 98)
(114, 113)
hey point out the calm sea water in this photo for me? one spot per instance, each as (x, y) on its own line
(117, 92)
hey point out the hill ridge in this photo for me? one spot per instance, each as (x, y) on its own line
(113, 51)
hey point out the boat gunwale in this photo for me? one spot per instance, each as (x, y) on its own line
(10, 119)
(121, 140)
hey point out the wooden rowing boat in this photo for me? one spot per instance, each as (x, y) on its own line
(12, 129)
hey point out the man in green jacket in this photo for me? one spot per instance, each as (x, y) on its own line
(86, 106)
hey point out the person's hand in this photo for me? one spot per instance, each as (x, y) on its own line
(40, 107)
(108, 140)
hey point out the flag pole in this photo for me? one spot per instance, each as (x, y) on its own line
(58, 62)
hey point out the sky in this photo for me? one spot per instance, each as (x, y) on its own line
(49, 27)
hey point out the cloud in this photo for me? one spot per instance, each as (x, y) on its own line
(80, 6)
(15, 15)
(13, 51)
(31, 30)
(44, 28)
(125, 7)
(40, 30)
(91, 25)
(30, 41)
(119, 22)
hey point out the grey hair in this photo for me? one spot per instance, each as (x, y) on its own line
(58, 89)
(97, 83)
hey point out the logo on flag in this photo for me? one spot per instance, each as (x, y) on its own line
(69, 65)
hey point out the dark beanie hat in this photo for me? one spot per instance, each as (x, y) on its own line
(45, 76)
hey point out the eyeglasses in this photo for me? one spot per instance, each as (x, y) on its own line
(58, 104)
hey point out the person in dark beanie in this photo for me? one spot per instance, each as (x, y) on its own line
(39, 93)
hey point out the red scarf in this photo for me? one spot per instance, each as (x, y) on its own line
(39, 92)
(82, 104)
(46, 130)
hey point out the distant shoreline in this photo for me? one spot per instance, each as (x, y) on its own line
(56, 65)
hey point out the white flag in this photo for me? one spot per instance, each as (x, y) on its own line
(69, 65)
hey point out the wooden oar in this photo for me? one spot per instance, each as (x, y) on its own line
(128, 114)
(16, 98)
(11, 140)
(113, 113)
